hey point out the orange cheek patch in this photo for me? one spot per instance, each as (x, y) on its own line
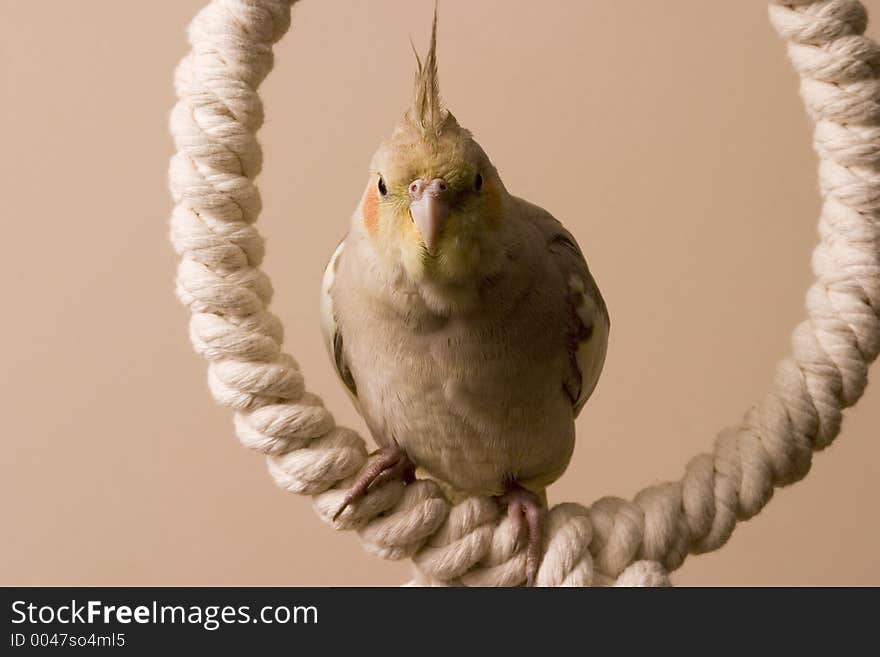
(370, 211)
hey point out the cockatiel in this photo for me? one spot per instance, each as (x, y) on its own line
(463, 321)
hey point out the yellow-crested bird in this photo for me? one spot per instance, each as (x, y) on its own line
(463, 320)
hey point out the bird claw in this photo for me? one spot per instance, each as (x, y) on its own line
(389, 463)
(526, 512)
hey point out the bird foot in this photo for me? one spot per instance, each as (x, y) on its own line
(389, 463)
(526, 512)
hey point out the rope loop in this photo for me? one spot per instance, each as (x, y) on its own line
(615, 541)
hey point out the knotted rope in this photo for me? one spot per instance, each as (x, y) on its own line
(637, 542)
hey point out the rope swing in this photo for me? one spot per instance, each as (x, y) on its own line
(614, 541)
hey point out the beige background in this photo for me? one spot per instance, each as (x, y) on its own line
(668, 136)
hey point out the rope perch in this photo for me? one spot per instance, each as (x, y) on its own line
(630, 543)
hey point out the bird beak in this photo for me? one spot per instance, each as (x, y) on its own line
(430, 210)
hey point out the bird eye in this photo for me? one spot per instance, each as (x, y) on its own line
(478, 183)
(383, 190)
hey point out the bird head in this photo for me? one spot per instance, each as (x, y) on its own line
(433, 202)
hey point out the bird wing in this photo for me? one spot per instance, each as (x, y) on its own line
(588, 314)
(330, 326)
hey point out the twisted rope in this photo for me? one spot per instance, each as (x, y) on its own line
(636, 542)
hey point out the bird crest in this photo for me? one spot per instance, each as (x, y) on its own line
(427, 112)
